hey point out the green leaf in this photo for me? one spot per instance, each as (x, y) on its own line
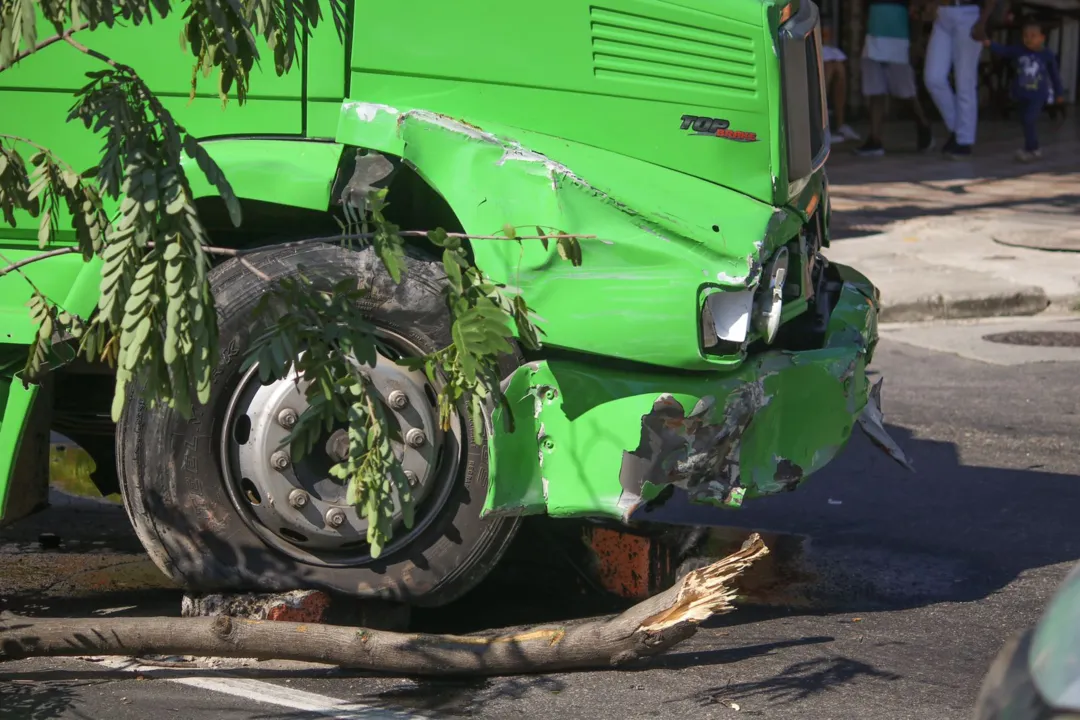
(45, 229)
(172, 251)
(439, 237)
(391, 250)
(570, 249)
(453, 270)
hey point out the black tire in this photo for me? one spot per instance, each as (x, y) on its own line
(174, 489)
(1008, 691)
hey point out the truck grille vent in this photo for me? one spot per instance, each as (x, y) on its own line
(649, 50)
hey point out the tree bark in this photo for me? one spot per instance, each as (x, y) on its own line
(649, 628)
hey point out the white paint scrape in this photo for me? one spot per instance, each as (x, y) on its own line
(512, 151)
(367, 112)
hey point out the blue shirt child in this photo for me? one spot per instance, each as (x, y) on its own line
(1036, 72)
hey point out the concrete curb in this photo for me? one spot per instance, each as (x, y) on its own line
(1029, 301)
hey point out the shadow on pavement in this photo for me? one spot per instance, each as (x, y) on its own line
(880, 537)
(24, 699)
(885, 538)
(463, 697)
(851, 224)
(682, 660)
(797, 682)
(948, 532)
(873, 195)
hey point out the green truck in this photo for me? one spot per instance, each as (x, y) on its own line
(703, 348)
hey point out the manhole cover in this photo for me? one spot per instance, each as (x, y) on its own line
(1040, 338)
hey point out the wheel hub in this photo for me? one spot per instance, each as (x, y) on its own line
(298, 503)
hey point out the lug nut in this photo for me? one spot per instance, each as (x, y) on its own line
(415, 437)
(337, 446)
(298, 498)
(398, 400)
(280, 460)
(287, 418)
(335, 517)
(412, 478)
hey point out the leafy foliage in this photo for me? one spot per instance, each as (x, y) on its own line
(482, 312)
(156, 322)
(320, 338)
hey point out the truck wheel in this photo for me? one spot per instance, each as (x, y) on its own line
(216, 505)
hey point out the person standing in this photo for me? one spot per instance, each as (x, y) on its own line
(886, 70)
(955, 44)
(836, 79)
(1037, 81)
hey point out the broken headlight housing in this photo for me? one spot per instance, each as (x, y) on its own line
(729, 316)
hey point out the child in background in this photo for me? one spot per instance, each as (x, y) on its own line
(1037, 83)
(833, 58)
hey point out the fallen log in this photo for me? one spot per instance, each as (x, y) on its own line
(649, 628)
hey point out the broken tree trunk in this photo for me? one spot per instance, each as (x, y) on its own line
(648, 628)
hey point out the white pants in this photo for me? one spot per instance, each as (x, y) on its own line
(951, 46)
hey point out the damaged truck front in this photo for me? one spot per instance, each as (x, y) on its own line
(704, 346)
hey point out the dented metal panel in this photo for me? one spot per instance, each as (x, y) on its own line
(590, 440)
(662, 238)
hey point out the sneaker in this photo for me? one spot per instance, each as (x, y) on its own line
(925, 141)
(871, 148)
(959, 152)
(835, 139)
(845, 131)
(1026, 156)
(949, 145)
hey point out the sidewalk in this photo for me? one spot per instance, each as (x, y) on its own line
(952, 239)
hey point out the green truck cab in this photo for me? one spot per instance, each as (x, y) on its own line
(704, 346)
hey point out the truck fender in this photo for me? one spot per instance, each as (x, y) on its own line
(285, 171)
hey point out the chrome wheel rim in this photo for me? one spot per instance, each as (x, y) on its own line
(296, 506)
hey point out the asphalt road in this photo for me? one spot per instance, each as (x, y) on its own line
(924, 576)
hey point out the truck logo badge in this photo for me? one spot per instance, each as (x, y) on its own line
(716, 127)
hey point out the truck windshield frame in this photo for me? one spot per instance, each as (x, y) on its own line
(805, 108)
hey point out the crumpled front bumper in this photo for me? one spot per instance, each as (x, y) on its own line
(594, 441)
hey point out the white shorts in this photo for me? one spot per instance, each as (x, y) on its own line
(888, 78)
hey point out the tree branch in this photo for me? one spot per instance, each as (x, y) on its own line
(15, 266)
(234, 252)
(96, 55)
(649, 628)
(25, 141)
(64, 36)
(240, 253)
